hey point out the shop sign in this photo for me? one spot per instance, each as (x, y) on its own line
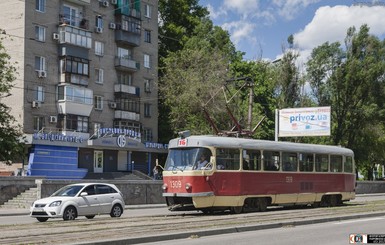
(58, 137)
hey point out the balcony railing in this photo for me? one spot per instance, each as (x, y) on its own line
(126, 63)
(76, 21)
(130, 38)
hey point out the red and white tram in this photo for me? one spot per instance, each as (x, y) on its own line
(249, 175)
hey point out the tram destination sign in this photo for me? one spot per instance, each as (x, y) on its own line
(311, 121)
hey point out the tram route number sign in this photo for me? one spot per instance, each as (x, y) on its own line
(367, 238)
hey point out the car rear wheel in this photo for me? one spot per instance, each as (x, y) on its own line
(69, 213)
(42, 219)
(90, 216)
(116, 211)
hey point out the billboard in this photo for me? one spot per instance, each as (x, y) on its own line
(312, 121)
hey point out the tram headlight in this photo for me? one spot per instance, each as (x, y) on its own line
(188, 186)
(164, 187)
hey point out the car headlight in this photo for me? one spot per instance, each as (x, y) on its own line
(55, 204)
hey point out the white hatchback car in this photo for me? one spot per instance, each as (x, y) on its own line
(83, 199)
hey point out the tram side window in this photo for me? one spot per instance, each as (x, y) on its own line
(289, 161)
(228, 159)
(321, 163)
(252, 160)
(335, 163)
(348, 165)
(271, 160)
(306, 161)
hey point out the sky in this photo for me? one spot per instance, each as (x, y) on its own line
(260, 28)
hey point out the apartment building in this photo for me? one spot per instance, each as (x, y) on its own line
(85, 92)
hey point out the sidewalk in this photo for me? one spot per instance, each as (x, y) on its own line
(25, 211)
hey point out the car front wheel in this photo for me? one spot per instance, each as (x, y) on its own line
(42, 219)
(69, 213)
(116, 211)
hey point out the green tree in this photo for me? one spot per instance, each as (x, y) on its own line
(351, 81)
(177, 22)
(11, 146)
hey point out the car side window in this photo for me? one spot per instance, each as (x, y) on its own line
(104, 189)
(90, 190)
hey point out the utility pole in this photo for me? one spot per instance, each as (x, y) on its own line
(250, 113)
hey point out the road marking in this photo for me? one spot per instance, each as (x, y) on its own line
(357, 220)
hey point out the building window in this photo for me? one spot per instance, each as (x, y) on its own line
(40, 5)
(147, 85)
(39, 63)
(39, 96)
(38, 123)
(99, 22)
(147, 135)
(147, 110)
(147, 11)
(77, 123)
(40, 33)
(99, 75)
(147, 36)
(70, 16)
(97, 127)
(99, 48)
(125, 78)
(146, 61)
(98, 102)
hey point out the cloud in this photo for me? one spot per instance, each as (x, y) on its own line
(240, 30)
(243, 7)
(288, 9)
(330, 24)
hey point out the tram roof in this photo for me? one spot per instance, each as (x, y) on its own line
(232, 142)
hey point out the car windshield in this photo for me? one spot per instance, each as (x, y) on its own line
(70, 191)
(186, 158)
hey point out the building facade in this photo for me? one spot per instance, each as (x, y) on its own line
(85, 92)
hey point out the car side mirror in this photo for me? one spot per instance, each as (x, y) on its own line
(83, 194)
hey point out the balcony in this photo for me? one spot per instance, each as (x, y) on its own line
(76, 108)
(75, 100)
(127, 115)
(126, 10)
(122, 88)
(75, 36)
(74, 79)
(127, 37)
(126, 63)
(77, 21)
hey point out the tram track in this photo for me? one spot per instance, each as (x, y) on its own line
(83, 230)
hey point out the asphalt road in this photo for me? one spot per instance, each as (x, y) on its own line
(331, 233)
(142, 224)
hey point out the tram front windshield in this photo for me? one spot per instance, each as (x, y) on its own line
(186, 158)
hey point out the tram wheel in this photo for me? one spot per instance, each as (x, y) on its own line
(236, 210)
(262, 204)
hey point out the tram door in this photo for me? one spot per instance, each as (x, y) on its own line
(98, 161)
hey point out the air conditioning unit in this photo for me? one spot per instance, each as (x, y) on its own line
(98, 29)
(36, 104)
(105, 4)
(55, 36)
(112, 105)
(112, 26)
(41, 74)
(53, 119)
(114, 2)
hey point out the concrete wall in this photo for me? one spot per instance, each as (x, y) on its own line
(366, 187)
(10, 187)
(134, 191)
